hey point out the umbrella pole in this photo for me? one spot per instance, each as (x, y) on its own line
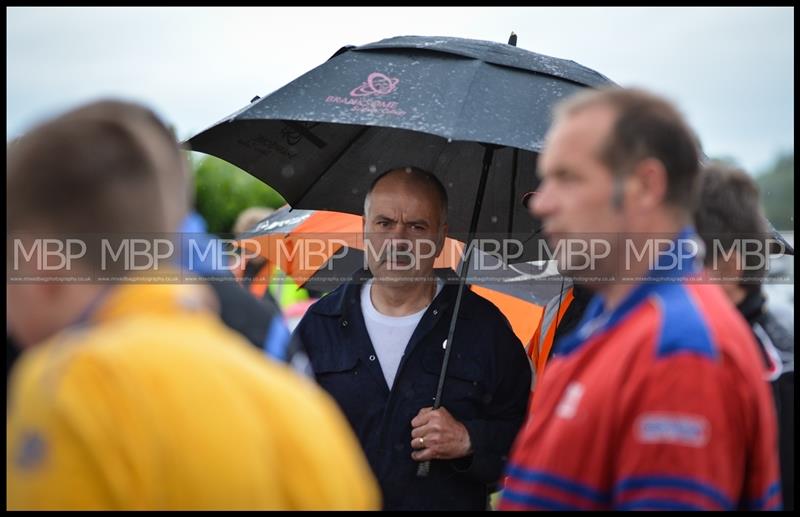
(424, 468)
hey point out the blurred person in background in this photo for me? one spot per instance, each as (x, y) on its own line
(134, 394)
(728, 214)
(250, 217)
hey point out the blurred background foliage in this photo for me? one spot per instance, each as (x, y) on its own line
(223, 191)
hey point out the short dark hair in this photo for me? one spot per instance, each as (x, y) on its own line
(106, 167)
(646, 126)
(729, 208)
(421, 175)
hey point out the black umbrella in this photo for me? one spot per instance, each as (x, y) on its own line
(429, 102)
(779, 245)
(475, 113)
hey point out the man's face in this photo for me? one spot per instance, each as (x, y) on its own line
(575, 198)
(403, 231)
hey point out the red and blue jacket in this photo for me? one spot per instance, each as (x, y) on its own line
(660, 403)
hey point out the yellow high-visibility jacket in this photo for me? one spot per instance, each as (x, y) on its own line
(154, 403)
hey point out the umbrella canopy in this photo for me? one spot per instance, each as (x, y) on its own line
(780, 246)
(429, 102)
(276, 239)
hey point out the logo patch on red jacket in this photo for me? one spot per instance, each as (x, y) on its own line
(673, 428)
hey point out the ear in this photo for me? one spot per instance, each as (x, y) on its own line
(649, 183)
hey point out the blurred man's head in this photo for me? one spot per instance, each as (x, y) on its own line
(107, 166)
(616, 163)
(730, 219)
(249, 218)
(108, 169)
(405, 224)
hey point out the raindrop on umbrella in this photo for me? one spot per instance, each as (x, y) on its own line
(287, 171)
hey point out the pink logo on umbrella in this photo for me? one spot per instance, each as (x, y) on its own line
(376, 84)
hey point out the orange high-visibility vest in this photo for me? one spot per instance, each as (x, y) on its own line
(544, 335)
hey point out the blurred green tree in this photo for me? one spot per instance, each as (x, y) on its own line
(223, 191)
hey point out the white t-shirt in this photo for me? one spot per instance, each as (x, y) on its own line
(390, 334)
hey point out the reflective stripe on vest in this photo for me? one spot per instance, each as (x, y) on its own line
(543, 338)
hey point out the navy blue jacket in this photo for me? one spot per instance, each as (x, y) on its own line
(487, 388)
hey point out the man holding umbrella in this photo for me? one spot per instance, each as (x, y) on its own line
(377, 344)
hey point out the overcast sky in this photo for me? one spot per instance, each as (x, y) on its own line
(730, 70)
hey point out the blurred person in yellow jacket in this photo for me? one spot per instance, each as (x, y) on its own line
(133, 394)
